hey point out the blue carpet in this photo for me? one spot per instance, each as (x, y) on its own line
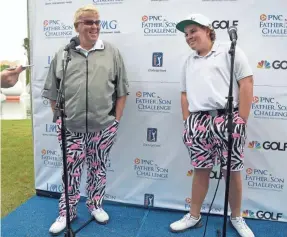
(33, 219)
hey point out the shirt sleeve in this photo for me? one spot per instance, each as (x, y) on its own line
(122, 80)
(242, 68)
(183, 78)
(50, 90)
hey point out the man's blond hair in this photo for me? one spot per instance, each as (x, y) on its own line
(90, 8)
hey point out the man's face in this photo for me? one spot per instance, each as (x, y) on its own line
(196, 37)
(88, 28)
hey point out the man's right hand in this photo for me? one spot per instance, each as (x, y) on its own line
(9, 77)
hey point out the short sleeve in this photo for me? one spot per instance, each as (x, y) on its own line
(50, 90)
(122, 81)
(183, 77)
(242, 68)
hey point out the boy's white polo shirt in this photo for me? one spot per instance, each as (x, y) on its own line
(206, 79)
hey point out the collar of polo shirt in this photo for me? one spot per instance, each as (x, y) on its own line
(99, 45)
(213, 49)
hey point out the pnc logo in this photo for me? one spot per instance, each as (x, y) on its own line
(264, 64)
(46, 22)
(249, 171)
(263, 17)
(254, 145)
(144, 18)
(138, 94)
(137, 161)
(255, 99)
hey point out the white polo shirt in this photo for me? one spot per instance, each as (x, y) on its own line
(206, 79)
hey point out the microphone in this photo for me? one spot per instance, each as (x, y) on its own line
(75, 41)
(232, 31)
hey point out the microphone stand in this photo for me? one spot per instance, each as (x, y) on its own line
(229, 131)
(60, 112)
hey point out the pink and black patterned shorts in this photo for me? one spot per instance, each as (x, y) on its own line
(206, 139)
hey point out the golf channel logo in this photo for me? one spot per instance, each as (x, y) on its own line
(149, 169)
(214, 174)
(263, 180)
(158, 25)
(264, 107)
(224, 24)
(268, 145)
(273, 25)
(263, 215)
(148, 101)
(57, 29)
(277, 64)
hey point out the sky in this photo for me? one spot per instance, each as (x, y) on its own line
(13, 26)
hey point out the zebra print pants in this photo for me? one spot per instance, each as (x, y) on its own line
(92, 149)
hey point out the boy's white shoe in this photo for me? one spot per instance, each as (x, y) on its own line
(241, 227)
(185, 223)
(100, 215)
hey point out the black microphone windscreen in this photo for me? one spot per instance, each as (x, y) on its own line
(75, 41)
(232, 31)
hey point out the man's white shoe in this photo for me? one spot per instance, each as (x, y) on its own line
(243, 230)
(100, 215)
(185, 223)
(58, 226)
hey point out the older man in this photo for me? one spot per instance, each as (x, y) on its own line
(96, 87)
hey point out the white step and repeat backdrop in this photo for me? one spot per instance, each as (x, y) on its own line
(149, 164)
